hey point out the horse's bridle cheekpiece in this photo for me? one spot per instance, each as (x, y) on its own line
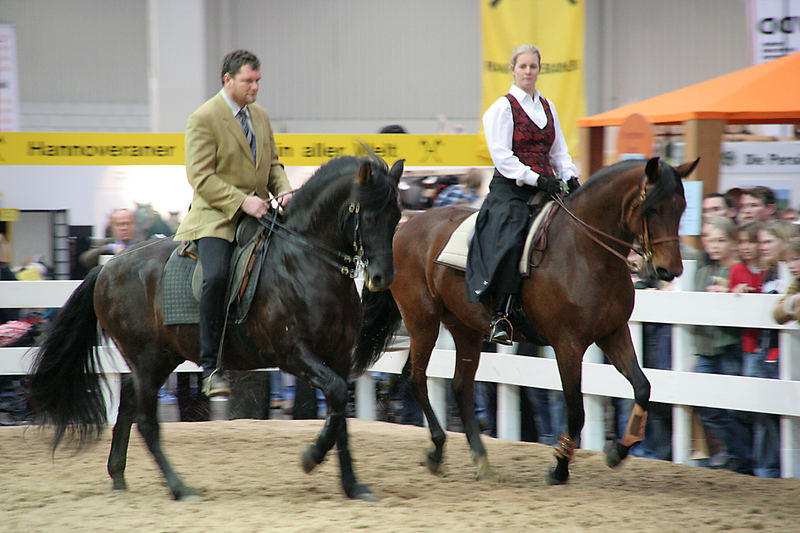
(348, 265)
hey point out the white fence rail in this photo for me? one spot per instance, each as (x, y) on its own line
(680, 386)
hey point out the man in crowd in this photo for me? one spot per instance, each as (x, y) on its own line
(757, 204)
(123, 234)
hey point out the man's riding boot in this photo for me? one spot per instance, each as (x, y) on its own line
(215, 255)
(215, 382)
(502, 331)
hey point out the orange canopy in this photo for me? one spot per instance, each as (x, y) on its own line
(762, 94)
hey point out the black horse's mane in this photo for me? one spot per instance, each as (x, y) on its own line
(316, 195)
(669, 184)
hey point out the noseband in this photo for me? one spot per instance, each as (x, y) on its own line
(645, 251)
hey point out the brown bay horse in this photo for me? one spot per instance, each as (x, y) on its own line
(305, 318)
(581, 293)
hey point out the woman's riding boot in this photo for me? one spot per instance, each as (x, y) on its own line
(502, 331)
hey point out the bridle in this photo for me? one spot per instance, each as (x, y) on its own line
(350, 265)
(646, 249)
(345, 264)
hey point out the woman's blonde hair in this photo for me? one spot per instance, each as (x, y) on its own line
(793, 246)
(725, 225)
(521, 49)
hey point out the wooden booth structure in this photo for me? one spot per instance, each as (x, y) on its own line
(768, 93)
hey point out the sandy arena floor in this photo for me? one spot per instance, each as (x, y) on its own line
(251, 479)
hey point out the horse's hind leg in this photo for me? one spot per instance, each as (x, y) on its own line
(422, 342)
(468, 351)
(150, 379)
(618, 347)
(334, 387)
(118, 457)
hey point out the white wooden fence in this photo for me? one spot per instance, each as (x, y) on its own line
(680, 386)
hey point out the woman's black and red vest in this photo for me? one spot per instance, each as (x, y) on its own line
(530, 143)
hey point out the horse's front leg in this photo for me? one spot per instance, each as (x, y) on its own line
(569, 367)
(618, 347)
(334, 387)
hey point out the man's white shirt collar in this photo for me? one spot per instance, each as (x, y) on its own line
(234, 108)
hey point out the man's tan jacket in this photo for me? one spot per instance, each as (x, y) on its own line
(221, 170)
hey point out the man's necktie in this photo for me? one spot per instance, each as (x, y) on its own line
(251, 139)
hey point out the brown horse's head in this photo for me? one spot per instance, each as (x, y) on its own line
(375, 192)
(657, 215)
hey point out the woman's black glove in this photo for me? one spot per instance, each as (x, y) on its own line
(573, 185)
(550, 185)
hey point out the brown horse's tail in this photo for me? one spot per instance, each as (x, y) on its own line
(65, 385)
(381, 319)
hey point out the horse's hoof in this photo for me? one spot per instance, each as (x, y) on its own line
(434, 465)
(308, 461)
(119, 486)
(186, 494)
(554, 477)
(484, 470)
(615, 452)
(362, 492)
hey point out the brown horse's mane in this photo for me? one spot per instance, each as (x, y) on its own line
(670, 182)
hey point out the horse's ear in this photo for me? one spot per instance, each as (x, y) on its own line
(651, 170)
(364, 173)
(396, 172)
(686, 168)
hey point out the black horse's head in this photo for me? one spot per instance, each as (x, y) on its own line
(350, 209)
(374, 198)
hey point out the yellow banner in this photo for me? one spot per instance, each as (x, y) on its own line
(167, 149)
(556, 28)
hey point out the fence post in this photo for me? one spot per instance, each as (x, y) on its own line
(508, 415)
(111, 395)
(437, 394)
(365, 397)
(682, 362)
(789, 362)
(593, 435)
(508, 409)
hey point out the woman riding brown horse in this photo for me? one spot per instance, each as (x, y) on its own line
(581, 293)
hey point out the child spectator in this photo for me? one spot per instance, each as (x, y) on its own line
(718, 349)
(788, 307)
(747, 277)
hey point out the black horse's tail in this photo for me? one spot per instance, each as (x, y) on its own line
(65, 383)
(381, 319)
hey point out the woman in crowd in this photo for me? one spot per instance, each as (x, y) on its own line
(763, 361)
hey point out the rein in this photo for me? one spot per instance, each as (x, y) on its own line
(348, 265)
(645, 251)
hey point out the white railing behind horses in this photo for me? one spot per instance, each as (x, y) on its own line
(680, 386)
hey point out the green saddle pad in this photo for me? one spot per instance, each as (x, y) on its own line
(180, 305)
(181, 300)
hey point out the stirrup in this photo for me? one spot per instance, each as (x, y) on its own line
(216, 384)
(503, 335)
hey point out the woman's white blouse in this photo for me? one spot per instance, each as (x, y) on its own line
(498, 128)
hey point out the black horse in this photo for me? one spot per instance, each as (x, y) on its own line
(305, 318)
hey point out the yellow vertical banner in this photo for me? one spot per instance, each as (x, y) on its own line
(556, 28)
